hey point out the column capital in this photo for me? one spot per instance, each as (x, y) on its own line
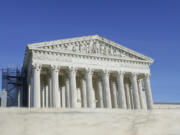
(106, 72)
(89, 70)
(55, 68)
(120, 73)
(147, 75)
(72, 69)
(36, 66)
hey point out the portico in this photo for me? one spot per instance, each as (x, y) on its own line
(87, 72)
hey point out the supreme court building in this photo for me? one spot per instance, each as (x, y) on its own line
(87, 72)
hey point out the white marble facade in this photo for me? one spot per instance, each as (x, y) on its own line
(87, 72)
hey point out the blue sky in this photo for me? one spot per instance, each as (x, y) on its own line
(151, 27)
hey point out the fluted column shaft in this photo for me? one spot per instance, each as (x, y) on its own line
(89, 88)
(50, 96)
(73, 91)
(131, 97)
(100, 93)
(135, 91)
(84, 93)
(63, 98)
(128, 98)
(46, 91)
(121, 93)
(114, 94)
(106, 89)
(43, 95)
(141, 94)
(67, 92)
(149, 99)
(55, 86)
(36, 86)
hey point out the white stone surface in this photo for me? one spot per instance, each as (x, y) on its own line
(88, 58)
(166, 106)
(36, 86)
(122, 99)
(88, 122)
(128, 98)
(135, 91)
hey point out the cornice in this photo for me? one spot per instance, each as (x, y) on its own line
(74, 54)
(62, 41)
(114, 44)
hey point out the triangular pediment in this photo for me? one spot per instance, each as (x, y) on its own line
(93, 45)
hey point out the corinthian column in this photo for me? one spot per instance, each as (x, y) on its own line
(36, 86)
(67, 92)
(106, 88)
(141, 98)
(73, 92)
(135, 91)
(121, 93)
(128, 98)
(89, 88)
(55, 86)
(84, 93)
(114, 94)
(100, 92)
(149, 99)
(50, 91)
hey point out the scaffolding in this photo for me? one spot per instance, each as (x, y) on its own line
(12, 87)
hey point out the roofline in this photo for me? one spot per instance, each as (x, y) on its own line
(66, 40)
(89, 37)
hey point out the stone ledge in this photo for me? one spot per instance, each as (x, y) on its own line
(85, 110)
(24, 121)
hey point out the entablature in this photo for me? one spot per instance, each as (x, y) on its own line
(41, 54)
(85, 61)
